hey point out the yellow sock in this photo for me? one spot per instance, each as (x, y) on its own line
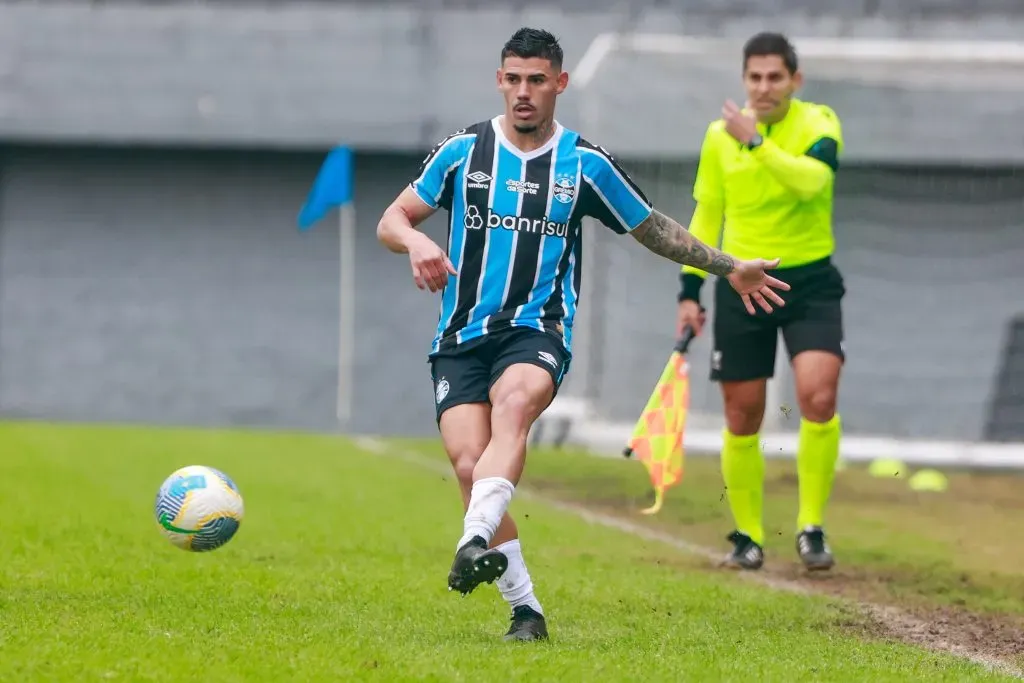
(743, 472)
(816, 457)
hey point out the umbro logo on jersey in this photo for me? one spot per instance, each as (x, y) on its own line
(478, 180)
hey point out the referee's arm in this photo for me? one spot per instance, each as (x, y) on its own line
(805, 176)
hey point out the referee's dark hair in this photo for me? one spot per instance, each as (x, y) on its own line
(767, 43)
(528, 43)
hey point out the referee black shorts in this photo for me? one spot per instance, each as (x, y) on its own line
(812, 320)
(465, 375)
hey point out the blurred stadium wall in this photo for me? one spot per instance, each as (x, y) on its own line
(154, 156)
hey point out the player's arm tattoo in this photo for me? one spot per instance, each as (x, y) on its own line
(667, 238)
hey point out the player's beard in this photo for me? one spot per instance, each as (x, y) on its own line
(536, 130)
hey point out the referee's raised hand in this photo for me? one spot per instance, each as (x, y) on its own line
(754, 285)
(430, 264)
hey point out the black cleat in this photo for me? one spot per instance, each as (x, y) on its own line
(475, 564)
(745, 553)
(527, 624)
(813, 550)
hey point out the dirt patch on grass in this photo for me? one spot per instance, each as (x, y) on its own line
(955, 629)
(873, 612)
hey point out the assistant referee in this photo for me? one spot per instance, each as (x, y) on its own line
(764, 186)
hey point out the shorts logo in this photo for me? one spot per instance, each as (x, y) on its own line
(442, 390)
(716, 360)
(478, 180)
(564, 189)
(548, 358)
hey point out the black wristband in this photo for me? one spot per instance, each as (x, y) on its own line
(690, 284)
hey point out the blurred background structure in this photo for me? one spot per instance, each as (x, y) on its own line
(153, 157)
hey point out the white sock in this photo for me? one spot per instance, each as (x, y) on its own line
(515, 584)
(487, 504)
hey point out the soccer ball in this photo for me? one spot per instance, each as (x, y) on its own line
(199, 508)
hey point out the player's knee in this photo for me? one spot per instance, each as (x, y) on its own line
(514, 407)
(818, 404)
(744, 419)
(464, 470)
(464, 452)
(464, 457)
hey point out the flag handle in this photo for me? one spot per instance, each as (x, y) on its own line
(683, 343)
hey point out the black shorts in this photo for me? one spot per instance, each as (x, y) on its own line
(812, 319)
(465, 375)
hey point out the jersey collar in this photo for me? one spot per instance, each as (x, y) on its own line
(540, 151)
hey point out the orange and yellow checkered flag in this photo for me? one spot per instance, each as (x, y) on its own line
(657, 439)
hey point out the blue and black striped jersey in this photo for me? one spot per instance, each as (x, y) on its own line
(514, 229)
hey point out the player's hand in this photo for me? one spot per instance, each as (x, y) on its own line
(754, 285)
(430, 264)
(743, 127)
(689, 314)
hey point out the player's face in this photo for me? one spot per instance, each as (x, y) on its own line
(530, 87)
(769, 84)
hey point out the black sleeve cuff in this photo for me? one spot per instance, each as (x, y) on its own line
(690, 284)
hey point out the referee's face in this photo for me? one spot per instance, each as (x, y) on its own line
(530, 87)
(769, 85)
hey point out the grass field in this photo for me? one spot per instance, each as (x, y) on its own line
(338, 572)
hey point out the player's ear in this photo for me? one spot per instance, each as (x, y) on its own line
(798, 79)
(498, 78)
(563, 81)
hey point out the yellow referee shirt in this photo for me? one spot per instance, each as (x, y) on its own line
(774, 201)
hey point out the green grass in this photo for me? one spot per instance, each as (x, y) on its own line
(338, 574)
(950, 549)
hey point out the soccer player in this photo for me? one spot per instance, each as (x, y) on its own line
(767, 172)
(516, 188)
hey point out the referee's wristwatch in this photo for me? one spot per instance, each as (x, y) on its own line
(755, 141)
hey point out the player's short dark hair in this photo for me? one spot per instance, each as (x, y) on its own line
(528, 43)
(766, 44)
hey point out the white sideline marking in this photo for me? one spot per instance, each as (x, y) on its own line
(886, 614)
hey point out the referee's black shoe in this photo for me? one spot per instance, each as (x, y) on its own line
(475, 564)
(527, 624)
(746, 554)
(814, 550)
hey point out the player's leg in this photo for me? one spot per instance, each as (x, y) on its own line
(461, 384)
(517, 398)
(465, 431)
(526, 375)
(742, 361)
(814, 341)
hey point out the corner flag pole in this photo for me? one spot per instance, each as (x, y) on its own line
(334, 186)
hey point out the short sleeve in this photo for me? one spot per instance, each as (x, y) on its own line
(829, 126)
(612, 197)
(708, 185)
(826, 137)
(433, 184)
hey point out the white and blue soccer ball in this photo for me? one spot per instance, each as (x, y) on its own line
(199, 508)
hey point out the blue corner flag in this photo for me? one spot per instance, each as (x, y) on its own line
(332, 187)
